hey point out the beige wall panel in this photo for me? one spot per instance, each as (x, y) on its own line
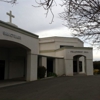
(47, 46)
(31, 67)
(70, 53)
(28, 41)
(61, 67)
(69, 67)
(48, 54)
(89, 68)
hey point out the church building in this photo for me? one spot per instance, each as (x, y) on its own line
(22, 52)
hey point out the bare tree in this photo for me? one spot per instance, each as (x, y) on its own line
(47, 5)
(82, 16)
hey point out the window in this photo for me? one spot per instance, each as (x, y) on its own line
(61, 46)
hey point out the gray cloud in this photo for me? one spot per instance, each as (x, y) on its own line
(30, 18)
(33, 19)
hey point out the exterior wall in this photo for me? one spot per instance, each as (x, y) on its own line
(31, 67)
(28, 41)
(43, 62)
(15, 64)
(47, 46)
(89, 68)
(60, 53)
(59, 66)
(51, 47)
(50, 53)
(70, 52)
(74, 43)
(55, 42)
(69, 41)
(69, 67)
(86, 52)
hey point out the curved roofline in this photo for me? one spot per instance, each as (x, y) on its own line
(17, 29)
(16, 43)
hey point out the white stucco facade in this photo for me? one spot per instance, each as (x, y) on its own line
(22, 52)
(71, 50)
(18, 51)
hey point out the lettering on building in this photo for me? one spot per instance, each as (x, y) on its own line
(79, 51)
(12, 35)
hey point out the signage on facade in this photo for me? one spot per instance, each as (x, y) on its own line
(12, 35)
(79, 51)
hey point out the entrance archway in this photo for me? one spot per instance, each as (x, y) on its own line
(13, 60)
(79, 64)
(50, 65)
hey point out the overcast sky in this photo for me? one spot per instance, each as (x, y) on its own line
(34, 20)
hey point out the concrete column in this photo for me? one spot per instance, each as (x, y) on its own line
(83, 65)
(69, 67)
(44, 63)
(89, 66)
(59, 67)
(31, 67)
(56, 64)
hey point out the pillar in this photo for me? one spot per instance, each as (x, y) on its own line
(56, 64)
(89, 66)
(83, 64)
(43, 62)
(31, 67)
(59, 67)
(69, 67)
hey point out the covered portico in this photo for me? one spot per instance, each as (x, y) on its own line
(18, 53)
(78, 60)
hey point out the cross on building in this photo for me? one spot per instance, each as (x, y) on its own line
(10, 16)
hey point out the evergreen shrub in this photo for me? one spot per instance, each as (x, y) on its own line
(41, 71)
(52, 74)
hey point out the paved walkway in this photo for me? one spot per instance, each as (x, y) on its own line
(61, 88)
(10, 82)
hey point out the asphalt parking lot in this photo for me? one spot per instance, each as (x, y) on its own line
(60, 88)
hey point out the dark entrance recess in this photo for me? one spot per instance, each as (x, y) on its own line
(2, 69)
(75, 66)
(49, 65)
(80, 66)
